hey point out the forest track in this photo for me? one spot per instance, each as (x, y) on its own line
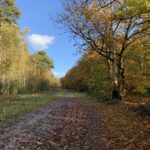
(67, 124)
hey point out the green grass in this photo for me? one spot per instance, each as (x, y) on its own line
(14, 105)
(82, 95)
(103, 99)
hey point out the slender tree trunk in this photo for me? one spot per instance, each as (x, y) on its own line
(3, 83)
(122, 83)
(0, 42)
(121, 70)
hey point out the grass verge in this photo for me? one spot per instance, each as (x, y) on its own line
(14, 105)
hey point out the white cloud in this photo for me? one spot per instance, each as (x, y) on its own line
(59, 75)
(40, 42)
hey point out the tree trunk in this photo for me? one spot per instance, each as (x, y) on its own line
(116, 94)
(114, 72)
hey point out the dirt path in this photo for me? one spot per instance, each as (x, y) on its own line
(66, 124)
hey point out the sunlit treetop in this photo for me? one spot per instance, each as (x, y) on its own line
(9, 12)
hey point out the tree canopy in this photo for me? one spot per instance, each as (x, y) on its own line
(108, 27)
(9, 12)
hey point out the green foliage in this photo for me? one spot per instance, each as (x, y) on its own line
(9, 12)
(42, 76)
(90, 74)
(138, 67)
(42, 61)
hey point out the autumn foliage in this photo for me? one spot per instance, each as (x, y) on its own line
(20, 71)
(118, 32)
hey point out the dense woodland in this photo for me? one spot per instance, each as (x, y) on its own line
(114, 37)
(20, 71)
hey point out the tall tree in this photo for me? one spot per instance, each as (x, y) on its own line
(108, 27)
(8, 13)
(40, 71)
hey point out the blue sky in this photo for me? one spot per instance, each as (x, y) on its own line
(45, 33)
